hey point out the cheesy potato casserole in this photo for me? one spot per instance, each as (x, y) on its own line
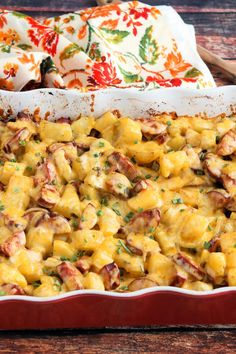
(117, 204)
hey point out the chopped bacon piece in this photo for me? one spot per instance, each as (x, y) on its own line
(141, 283)
(46, 173)
(49, 196)
(57, 223)
(13, 243)
(143, 222)
(151, 126)
(35, 216)
(118, 184)
(139, 186)
(89, 218)
(15, 142)
(24, 116)
(213, 165)
(83, 264)
(228, 182)
(188, 265)
(180, 277)
(111, 276)
(64, 120)
(122, 164)
(227, 145)
(12, 289)
(220, 198)
(214, 244)
(70, 275)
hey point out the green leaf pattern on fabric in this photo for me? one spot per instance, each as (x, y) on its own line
(148, 48)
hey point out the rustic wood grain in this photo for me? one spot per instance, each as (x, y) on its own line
(92, 342)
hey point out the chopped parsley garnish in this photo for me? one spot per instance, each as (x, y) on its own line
(63, 258)
(124, 288)
(36, 283)
(207, 245)
(201, 190)
(129, 216)
(155, 166)
(209, 228)
(133, 159)
(57, 284)
(2, 207)
(13, 160)
(235, 245)
(22, 142)
(29, 168)
(121, 244)
(199, 172)
(177, 201)
(217, 139)
(104, 201)
(82, 218)
(101, 144)
(140, 210)
(202, 155)
(116, 211)
(152, 237)
(96, 155)
(181, 210)
(99, 213)
(151, 229)
(37, 154)
(17, 168)
(120, 185)
(1, 163)
(16, 190)
(74, 258)
(155, 178)
(136, 142)
(2, 293)
(168, 122)
(37, 141)
(75, 224)
(148, 176)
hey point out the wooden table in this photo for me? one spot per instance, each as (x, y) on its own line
(215, 24)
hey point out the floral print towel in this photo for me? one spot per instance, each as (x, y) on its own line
(118, 45)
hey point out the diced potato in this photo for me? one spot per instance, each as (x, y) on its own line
(52, 132)
(231, 257)
(216, 264)
(93, 281)
(145, 152)
(227, 241)
(232, 277)
(208, 139)
(106, 120)
(9, 169)
(50, 287)
(201, 124)
(82, 126)
(63, 249)
(197, 285)
(87, 240)
(224, 126)
(177, 143)
(192, 233)
(132, 264)
(128, 132)
(63, 166)
(146, 199)
(69, 203)
(10, 275)
(17, 197)
(108, 222)
(173, 162)
(28, 263)
(161, 269)
(193, 138)
(105, 253)
(167, 243)
(19, 124)
(40, 240)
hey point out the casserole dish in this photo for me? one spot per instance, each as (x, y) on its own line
(156, 306)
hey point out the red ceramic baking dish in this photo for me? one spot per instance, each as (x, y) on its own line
(157, 306)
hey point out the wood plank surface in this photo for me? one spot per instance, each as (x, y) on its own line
(94, 342)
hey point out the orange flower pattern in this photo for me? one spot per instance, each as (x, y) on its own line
(118, 45)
